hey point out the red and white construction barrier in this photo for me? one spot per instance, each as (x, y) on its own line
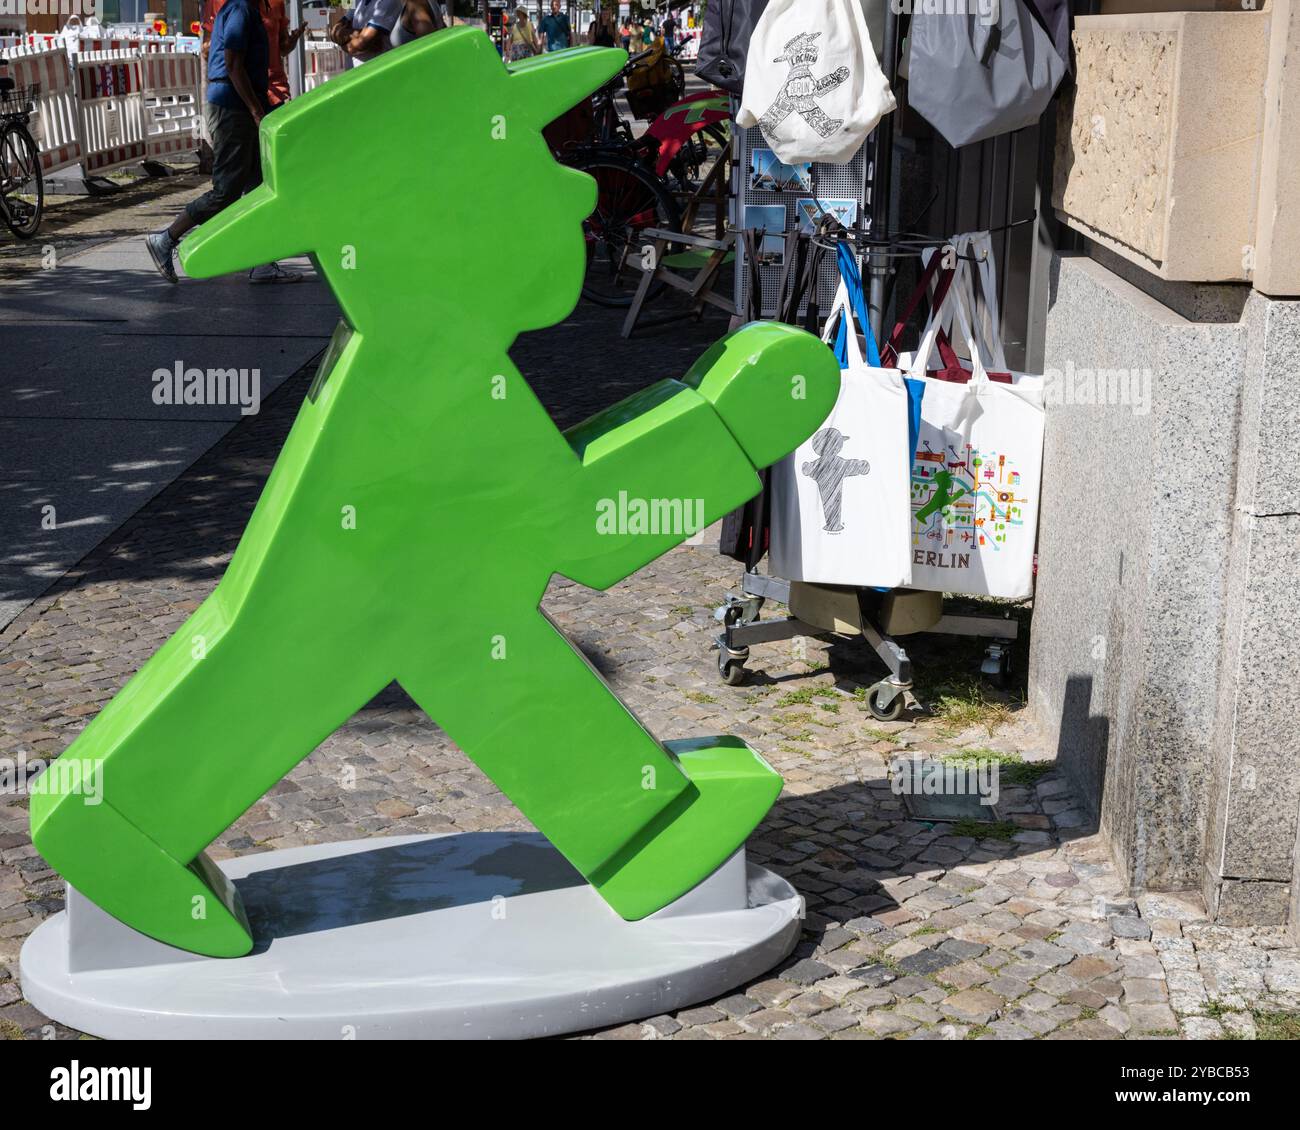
(321, 61)
(56, 123)
(110, 100)
(172, 109)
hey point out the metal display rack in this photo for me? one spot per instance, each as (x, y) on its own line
(829, 182)
(740, 614)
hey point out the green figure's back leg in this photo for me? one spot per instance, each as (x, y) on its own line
(250, 702)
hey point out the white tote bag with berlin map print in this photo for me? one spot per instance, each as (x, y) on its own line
(976, 472)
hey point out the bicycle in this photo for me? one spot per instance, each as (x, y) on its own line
(22, 185)
(635, 180)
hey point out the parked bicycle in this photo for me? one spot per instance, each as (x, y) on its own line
(640, 180)
(22, 186)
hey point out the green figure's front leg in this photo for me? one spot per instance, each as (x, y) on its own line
(687, 447)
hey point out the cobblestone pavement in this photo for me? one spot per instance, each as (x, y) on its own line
(1013, 930)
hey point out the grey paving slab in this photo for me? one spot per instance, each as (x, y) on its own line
(89, 478)
(101, 287)
(109, 372)
(80, 429)
(100, 452)
(19, 587)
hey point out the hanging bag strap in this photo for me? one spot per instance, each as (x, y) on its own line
(951, 306)
(855, 305)
(754, 307)
(838, 331)
(987, 318)
(797, 248)
(808, 286)
(933, 269)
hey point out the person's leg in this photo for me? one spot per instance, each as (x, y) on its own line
(234, 155)
(250, 177)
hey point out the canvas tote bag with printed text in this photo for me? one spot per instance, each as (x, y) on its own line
(976, 471)
(812, 82)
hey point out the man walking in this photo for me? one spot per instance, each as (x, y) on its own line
(238, 64)
(555, 27)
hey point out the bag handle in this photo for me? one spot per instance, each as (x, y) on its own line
(951, 303)
(855, 304)
(933, 263)
(839, 332)
(983, 299)
(942, 318)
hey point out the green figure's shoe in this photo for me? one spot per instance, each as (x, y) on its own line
(732, 789)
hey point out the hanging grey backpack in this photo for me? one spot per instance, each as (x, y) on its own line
(724, 42)
(977, 75)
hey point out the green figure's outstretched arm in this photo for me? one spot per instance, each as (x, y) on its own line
(731, 415)
(418, 509)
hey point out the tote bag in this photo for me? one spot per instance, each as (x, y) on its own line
(976, 470)
(973, 76)
(724, 42)
(812, 82)
(840, 512)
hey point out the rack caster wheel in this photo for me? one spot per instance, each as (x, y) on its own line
(885, 705)
(996, 667)
(731, 662)
(731, 671)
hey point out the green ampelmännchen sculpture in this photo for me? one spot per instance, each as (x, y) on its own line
(421, 504)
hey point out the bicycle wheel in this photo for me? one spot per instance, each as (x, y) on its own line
(21, 182)
(629, 199)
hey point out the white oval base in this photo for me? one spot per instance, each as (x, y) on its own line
(479, 935)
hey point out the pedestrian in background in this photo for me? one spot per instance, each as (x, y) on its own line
(524, 43)
(418, 18)
(670, 31)
(555, 27)
(366, 31)
(280, 41)
(602, 29)
(625, 34)
(238, 68)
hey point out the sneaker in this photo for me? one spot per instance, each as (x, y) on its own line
(161, 249)
(273, 273)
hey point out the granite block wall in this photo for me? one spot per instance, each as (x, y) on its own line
(1165, 653)
(1250, 866)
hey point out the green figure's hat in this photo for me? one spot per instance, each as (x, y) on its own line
(411, 161)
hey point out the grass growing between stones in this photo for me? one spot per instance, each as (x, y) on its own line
(962, 706)
(1013, 769)
(1270, 1025)
(948, 679)
(977, 830)
(804, 696)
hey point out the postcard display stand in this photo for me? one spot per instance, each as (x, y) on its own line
(821, 610)
(828, 183)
